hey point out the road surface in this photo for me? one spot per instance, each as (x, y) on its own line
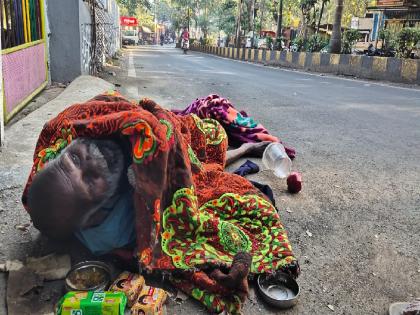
(358, 145)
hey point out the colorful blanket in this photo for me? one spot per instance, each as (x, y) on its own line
(239, 126)
(191, 216)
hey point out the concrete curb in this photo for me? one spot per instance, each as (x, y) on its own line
(22, 136)
(365, 67)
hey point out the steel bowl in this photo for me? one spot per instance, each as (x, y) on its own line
(279, 290)
(84, 269)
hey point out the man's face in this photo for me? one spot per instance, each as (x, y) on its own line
(88, 166)
(75, 185)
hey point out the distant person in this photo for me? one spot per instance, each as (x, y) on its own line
(185, 40)
(185, 34)
(162, 39)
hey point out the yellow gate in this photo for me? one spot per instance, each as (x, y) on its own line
(24, 53)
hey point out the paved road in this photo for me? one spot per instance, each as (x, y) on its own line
(358, 145)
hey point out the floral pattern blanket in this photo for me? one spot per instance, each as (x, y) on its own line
(191, 216)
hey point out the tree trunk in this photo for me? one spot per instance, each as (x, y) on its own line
(238, 25)
(280, 19)
(304, 25)
(251, 11)
(321, 13)
(336, 35)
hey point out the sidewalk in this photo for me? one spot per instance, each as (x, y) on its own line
(16, 161)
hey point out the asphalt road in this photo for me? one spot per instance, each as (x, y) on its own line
(358, 145)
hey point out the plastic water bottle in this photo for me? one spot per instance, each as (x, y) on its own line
(275, 158)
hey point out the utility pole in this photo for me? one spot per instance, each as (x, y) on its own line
(156, 21)
(379, 28)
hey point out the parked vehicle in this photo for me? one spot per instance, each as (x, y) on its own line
(130, 37)
(129, 30)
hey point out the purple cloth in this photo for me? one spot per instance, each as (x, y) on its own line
(238, 125)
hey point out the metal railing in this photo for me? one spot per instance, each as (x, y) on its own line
(21, 22)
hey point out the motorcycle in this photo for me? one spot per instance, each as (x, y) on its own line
(185, 45)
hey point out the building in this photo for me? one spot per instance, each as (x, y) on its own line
(51, 40)
(24, 54)
(82, 34)
(394, 14)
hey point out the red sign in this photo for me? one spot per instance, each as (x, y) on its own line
(390, 3)
(128, 21)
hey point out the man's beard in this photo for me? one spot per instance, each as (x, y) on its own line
(110, 159)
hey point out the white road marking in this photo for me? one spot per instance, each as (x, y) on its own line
(217, 72)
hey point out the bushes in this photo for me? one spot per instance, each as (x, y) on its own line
(388, 39)
(407, 40)
(349, 38)
(316, 43)
(269, 42)
(298, 44)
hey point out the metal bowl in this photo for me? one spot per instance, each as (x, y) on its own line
(280, 290)
(88, 276)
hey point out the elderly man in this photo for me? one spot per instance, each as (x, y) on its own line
(118, 174)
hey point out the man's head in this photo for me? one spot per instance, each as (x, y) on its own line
(72, 187)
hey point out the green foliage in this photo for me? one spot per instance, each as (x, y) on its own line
(130, 6)
(279, 41)
(307, 4)
(225, 16)
(349, 38)
(269, 41)
(407, 40)
(389, 40)
(299, 43)
(316, 43)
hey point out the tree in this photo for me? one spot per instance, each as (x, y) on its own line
(306, 7)
(335, 42)
(131, 6)
(225, 16)
(321, 13)
(350, 37)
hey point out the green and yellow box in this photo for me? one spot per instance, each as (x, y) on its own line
(92, 303)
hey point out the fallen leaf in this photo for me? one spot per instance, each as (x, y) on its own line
(23, 227)
(308, 233)
(330, 307)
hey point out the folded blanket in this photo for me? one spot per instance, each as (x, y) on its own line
(239, 126)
